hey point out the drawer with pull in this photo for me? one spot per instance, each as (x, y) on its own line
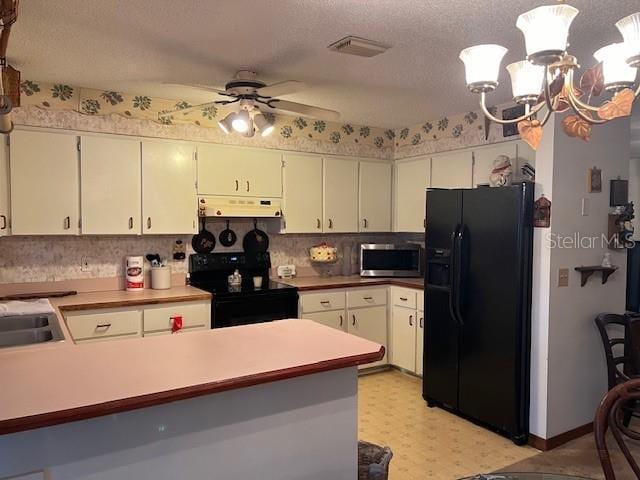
(94, 324)
(321, 302)
(404, 297)
(165, 318)
(366, 298)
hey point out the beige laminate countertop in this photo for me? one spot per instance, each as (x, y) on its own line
(324, 283)
(48, 386)
(121, 298)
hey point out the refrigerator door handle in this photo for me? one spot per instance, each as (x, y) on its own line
(453, 274)
(458, 274)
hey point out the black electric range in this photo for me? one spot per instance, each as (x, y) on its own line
(245, 304)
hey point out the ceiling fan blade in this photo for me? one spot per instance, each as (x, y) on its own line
(306, 110)
(199, 86)
(184, 111)
(282, 88)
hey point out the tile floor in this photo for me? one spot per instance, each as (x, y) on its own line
(428, 443)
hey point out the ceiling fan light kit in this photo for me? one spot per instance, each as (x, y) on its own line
(255, 97)
(546, 77)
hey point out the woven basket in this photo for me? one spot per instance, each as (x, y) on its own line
(373, 461)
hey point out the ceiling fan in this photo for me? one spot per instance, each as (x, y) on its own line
(254, 99)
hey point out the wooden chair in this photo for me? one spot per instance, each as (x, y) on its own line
(617, 364)
(621, 361)
(610, 416)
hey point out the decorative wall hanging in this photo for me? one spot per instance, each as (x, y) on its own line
(594, 180)
(620, 228)
(511, 129)
(546, 77)
(542, 213)
(501, 172)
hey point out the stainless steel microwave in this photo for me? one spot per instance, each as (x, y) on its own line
(391, 260)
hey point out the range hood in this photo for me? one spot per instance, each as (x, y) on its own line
(212, 206)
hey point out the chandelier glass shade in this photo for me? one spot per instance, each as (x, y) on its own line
(545, 79)
(546, 30)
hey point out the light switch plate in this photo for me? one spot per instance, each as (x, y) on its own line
(563, 277)
(585, 207)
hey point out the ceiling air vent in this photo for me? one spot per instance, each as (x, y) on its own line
(358, 46)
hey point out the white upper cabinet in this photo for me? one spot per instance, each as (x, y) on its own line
(110, 188)
(168, 188)
(239, 171)
(375, 197)
(45, 183)
(340, 195)
(484, 157)
(302, 193)
(5, 216)
(524, 154)
(452, 170)
(412, 178)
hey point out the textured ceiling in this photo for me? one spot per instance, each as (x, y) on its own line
(136, 45)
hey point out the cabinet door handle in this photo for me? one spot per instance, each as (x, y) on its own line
(421, 322)
(248, 186)
(325, 302)
(237, 185)
(148, 222)
(67, 223)
(411, 320)
(365, 223)
(367, 298)
(104, 326)
(404, 299)
(341, 320)
(318, 224)
(130, 223)
(4, 222)
(424, 223)
(353, 321)
(330, 223)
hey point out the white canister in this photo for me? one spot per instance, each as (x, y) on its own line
(161, 278)
(135, 273)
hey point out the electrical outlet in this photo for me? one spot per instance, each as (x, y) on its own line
(563, 277)
(84, 264)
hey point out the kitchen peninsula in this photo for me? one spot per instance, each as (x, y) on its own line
(271, 400)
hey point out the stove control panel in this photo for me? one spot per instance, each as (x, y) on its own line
(209, 262)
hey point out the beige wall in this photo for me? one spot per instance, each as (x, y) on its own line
(568, 364)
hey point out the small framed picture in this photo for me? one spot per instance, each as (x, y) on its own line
(594, 180)
(511, 129)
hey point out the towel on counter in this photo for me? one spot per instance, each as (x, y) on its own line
(31, 307)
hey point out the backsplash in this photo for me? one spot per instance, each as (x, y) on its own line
(47, 259)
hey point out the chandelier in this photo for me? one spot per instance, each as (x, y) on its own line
(546, 77)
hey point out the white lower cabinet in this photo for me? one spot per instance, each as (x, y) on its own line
(420, 343)
(118, 323)
(361, 312)
(5, 217)
(407, 329)
(334, 319)
(104, 324)
(403, 334)
(369, 323)
(161, 319)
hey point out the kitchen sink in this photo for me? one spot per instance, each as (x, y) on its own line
(23, 322)
(21, 330)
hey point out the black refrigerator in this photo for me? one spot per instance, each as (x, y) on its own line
(478, 305)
